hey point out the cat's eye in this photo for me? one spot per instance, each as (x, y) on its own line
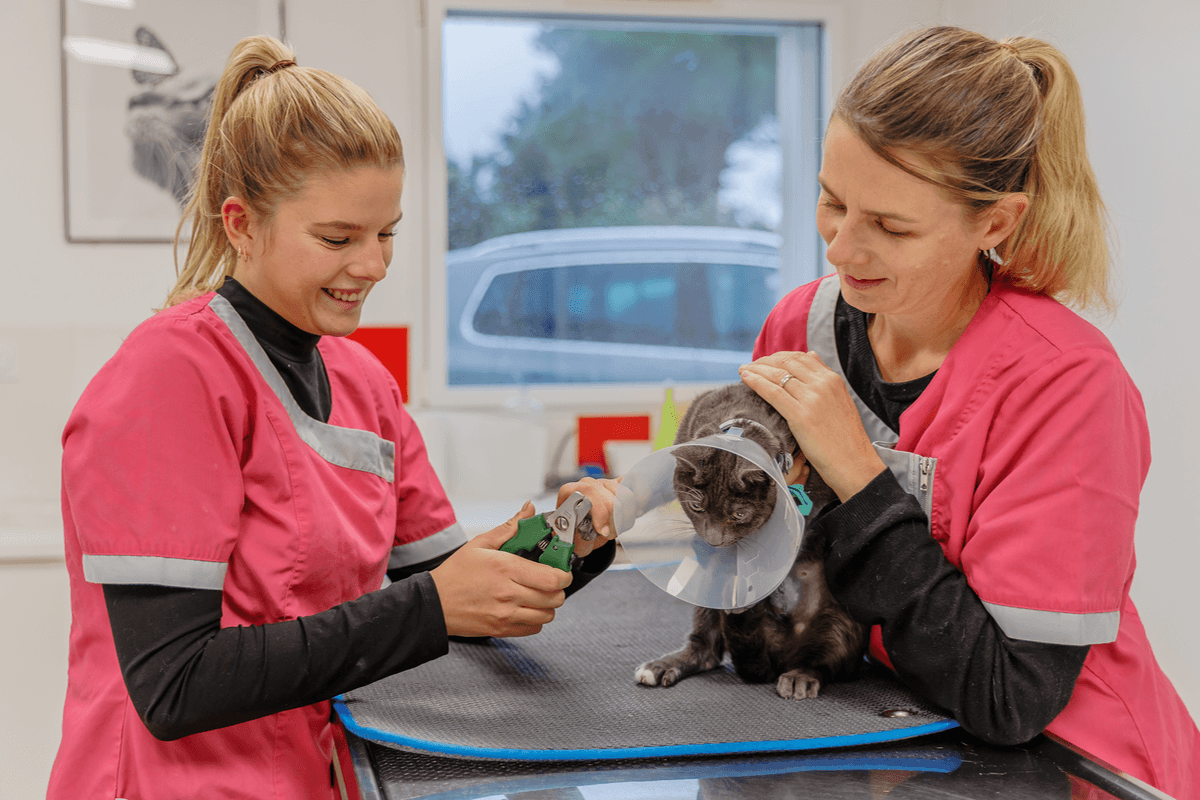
(696, 506)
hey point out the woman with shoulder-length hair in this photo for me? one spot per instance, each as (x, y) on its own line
(986, 444)
(252, 525)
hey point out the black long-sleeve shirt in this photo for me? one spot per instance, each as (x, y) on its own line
(186, 674)
(886, 569)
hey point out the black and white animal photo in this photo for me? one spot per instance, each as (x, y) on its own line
(799, 637)
(166, 121)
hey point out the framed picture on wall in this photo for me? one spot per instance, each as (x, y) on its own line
(138, 77)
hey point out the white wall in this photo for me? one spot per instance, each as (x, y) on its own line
(1141, 86)
(69, 305)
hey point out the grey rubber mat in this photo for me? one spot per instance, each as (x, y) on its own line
(568, 693)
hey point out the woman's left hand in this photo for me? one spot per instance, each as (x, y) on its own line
(822, 416)
(602, 493)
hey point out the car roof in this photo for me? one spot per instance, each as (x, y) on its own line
(564, 240)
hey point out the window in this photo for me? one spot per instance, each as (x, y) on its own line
(618, 209)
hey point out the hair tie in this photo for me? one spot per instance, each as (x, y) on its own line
(278, 65)
(1011, 47)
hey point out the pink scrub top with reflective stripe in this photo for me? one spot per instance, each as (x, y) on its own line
(1028, 451)
(187, 463)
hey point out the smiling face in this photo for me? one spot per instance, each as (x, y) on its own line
(901, 247)
(316, 260)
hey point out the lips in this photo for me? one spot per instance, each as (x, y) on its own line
(863, 283)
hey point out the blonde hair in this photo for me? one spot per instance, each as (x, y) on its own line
(272, 125)
(992, 118)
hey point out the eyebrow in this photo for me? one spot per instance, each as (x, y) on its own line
(884, 214)
(352, 226)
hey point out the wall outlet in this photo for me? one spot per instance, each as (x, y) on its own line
(8, 362)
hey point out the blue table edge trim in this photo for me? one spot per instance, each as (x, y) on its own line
(615, 753)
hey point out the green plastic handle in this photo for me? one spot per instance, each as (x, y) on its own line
(536, 541)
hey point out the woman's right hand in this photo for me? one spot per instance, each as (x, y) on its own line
(821, 414)
(485, 591)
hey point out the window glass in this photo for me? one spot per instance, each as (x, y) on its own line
(663, 141)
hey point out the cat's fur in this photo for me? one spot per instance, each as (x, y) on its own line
(799, 637)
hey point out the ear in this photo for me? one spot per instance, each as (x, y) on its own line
(146, 38)
(238, 221)
(1002, 219)
(749, 476)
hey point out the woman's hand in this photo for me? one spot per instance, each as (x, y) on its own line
(487, 592)
(602, 493)
(821, 415)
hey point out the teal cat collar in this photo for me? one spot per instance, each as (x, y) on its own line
(804, 503)
(737, 427)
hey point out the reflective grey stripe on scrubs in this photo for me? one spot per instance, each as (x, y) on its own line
(914, 472)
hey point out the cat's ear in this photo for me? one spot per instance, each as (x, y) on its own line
(749, 476)
(684, 465)
(146, 38)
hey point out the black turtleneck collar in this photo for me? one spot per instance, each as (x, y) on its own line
(293, 351)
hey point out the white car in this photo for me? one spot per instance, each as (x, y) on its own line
(608, 305)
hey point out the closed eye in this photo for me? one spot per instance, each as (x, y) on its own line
(890, 232)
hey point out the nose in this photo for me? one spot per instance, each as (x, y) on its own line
(844, 242)
(373, 264)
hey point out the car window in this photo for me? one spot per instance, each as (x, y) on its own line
(713, 306)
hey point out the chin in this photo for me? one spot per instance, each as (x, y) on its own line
(340, 326)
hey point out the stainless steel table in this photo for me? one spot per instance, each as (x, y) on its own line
(941, 766)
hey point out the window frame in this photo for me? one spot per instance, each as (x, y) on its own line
(801, 251)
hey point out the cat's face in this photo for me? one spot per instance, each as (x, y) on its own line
(165, 125)
(723, 495)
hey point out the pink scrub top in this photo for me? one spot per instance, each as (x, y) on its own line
(187, 463)
(1028, 451)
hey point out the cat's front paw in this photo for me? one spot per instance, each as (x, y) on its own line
(798, 684)
(662, 672)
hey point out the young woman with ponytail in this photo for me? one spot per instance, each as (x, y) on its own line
(251, 523)
(986, 443)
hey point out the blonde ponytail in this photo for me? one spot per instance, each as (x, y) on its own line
(1061, 246)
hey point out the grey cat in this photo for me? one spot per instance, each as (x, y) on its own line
(799, 636)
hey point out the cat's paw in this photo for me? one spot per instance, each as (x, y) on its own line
(797, 684)
(658, 673)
